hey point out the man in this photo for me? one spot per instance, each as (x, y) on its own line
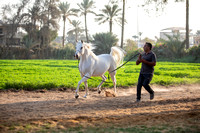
(148, 60)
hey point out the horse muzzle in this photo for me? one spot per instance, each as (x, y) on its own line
(76, 56)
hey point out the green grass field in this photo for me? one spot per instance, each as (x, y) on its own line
(46, 74)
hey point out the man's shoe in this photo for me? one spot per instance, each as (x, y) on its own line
(138, 100)
(151, 96)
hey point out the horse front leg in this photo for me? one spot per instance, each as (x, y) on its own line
(104, 78)
(84, 79)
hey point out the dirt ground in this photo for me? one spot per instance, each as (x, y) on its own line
(174, 105)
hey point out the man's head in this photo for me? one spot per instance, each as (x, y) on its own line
(147, 47)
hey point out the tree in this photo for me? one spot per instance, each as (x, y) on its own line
(110, 14)
(122, 23)
(162, 2)
(130, 45)
(146, 39)
(13, 16)
(86, 7)
(31, 26)
(187, 24)
(34, 12)
(175, 46)
(76, 29)
(123, 18)
(135, 37)
(49, 20)
(66, 12)
(103, 42)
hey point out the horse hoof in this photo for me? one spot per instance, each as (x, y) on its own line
(76, 96)
(99, 92)
(84, 96)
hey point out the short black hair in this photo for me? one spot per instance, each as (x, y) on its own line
(149, 44)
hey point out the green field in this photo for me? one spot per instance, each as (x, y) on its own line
(46, 74)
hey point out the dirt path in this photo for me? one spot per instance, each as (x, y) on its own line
(175, 105)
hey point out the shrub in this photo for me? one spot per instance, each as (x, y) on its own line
(130, 54)
(103, 42)
(161, 50)
(195, 52)
(47, 52)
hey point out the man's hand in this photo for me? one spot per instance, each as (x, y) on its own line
(139, 60)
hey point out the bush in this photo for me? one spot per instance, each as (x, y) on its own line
(103, 42)
(194, 52)
(161, 50)
(47, 52)
(14, 53)
(130, 54)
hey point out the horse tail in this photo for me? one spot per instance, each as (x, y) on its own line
(118, 54)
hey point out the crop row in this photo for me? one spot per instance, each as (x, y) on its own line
(40, 74)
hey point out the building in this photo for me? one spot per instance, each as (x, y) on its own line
(5, 35)
(197, 38)
(177, 31)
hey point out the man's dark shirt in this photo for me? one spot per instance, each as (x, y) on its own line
(150, 57)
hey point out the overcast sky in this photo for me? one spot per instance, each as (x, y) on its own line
(150, 24)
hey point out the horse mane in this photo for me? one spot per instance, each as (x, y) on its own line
(89, 49)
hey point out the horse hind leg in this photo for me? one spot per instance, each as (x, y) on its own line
(114, 81)
(86, 89)
(104, 78)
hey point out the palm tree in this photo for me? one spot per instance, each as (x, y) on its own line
(66, 12)
(123, 15)
(175, 46)
(110, 14)
(86, 7)
(76, 29)
(34, 15)
(48, 19)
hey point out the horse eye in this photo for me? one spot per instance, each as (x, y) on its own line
(81, 47)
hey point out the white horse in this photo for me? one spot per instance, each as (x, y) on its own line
(92, 65)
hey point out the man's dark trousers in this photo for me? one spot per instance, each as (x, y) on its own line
(144, 80)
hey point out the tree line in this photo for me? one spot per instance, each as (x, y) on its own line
(41, 19)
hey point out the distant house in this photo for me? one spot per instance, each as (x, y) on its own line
(5, 36)
(175, 31)
(197, 38)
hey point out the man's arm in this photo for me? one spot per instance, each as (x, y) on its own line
(144, 61)
(148, 63)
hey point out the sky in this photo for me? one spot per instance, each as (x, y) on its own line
(139, 20)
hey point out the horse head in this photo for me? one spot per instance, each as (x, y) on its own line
(79, 49)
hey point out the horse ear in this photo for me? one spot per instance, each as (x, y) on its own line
(81, 41)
